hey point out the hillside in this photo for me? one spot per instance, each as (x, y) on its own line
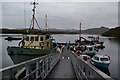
(114, 32)
(24, 31)
(100, 30)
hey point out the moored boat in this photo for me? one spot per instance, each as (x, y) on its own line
(33, 44)
(90, 50)
(11, 38)
(99, 45)
(102, 61)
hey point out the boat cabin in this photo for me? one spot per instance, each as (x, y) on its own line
(101, 58)
(37, 41)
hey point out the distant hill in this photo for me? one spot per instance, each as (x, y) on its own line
(114, 32)
(100, 30)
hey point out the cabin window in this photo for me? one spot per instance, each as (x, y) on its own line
(41, 38)
(104, 59)
(27, 38)
(36, 38)
(96, 58)
(32, 39)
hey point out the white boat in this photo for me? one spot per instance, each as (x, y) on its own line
(102, 61)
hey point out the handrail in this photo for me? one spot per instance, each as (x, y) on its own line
(37, 68)
(85, 70)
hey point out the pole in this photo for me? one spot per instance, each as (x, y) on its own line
(80, 33)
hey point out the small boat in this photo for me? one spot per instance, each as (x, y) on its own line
(90, 50)
(99, 45)
(11, 38)
(102, 61)
(93, 39)
(85, 57)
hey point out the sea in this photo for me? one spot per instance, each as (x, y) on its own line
(112, 49)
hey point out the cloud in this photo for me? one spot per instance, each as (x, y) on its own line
(65, 15)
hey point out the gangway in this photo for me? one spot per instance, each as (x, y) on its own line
(64, 68)
(64, 65)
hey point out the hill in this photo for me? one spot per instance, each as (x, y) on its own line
(100, 30)
(114, 32)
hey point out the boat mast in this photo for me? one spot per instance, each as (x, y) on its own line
(32, 25)
(80, 32)
(46, 24)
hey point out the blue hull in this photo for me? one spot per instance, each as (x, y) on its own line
(103, 65)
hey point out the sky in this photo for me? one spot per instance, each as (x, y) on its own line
(65, 14)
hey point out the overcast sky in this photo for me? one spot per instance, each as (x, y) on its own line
(62, 15)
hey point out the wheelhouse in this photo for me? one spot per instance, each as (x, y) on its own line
(37, 41)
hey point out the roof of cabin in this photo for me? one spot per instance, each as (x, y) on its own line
(101, 56)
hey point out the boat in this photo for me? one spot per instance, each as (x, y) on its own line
(85, 57)
(12, 38)
(93, 39)
(33, 44)
(79, 44)
(102, 61)
(99, 45)
(90, 50)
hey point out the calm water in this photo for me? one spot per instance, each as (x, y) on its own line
(111, 49)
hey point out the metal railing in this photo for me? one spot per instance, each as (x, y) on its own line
(34, 69)
(85, 70)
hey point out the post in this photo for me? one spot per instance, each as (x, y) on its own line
(27, 72)
(37, 66)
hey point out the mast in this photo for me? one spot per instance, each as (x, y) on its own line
(46, 24)
(24, 15)
(32, 25)
(80, 32)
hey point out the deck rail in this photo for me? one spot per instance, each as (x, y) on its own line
(34, 69)
(85, 70)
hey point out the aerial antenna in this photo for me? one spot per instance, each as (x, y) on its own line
(32, 25)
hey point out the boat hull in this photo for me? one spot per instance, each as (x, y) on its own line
(100, 64)
(19, 54)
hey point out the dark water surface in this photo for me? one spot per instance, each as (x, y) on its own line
(111, 49)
